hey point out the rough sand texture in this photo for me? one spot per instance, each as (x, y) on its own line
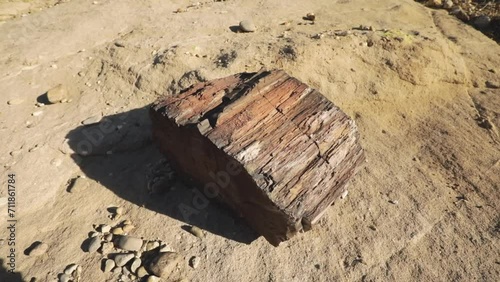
(424, 208)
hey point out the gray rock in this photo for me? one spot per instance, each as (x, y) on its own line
(70, 269)
(38, 250)
(164, 264)
(194, 262)
(122, 259)
(482, 22)
(129, 243)
(94, 244)
(247, 26)
(57, 94)
(104, 228)
(64, 278)
(109, 264)
(91, 120)
(136, 263)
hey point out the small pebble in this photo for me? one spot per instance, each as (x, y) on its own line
(164, 264)
(153, 278)
(95, 243)
(196, 231)
(39, 105)
(64, 278)
(70, 269)
(119, 211)
(141, 272)
(310, 17)
(122, 259)
(57, 94)
(108, 237)
(194, 262)
(117, 270)
(79, 184)
(165, 248)
(344, 194)
(91, 120)
(247, 26)
(37, 113)
(109, 264)
(125, 271)
(107, 248)
(15, 101)
(127, 222)
(56, 162)
(104, 228)
(394, 202)
(136, 263)
(129, 243)
(152, 245)
(117, 231)
(127, 228)
(448, 4)
(38, 250)
(79, 270)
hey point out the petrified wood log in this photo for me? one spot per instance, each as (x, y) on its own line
(272, 148)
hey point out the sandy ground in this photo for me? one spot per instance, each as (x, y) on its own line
(423, 208)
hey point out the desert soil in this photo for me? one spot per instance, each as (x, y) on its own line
(422, 86)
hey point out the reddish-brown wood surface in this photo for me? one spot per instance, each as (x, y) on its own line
(294, 149)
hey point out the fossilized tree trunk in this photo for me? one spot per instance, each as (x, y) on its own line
(276, 150)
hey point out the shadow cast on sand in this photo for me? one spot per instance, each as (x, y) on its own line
(118, 152)
(5, 275)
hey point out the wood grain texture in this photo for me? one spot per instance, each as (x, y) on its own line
(293, 149)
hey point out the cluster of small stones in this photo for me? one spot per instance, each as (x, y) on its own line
(131, 258)
(479, 20)
(72, 273)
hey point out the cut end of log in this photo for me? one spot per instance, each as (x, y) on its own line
(269, 146)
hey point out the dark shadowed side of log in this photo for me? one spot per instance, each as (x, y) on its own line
(294, 151)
